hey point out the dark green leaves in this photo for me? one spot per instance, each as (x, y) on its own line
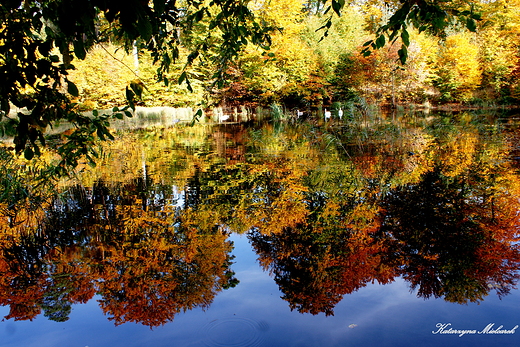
(79, 49)
(337, 5)
(182, 77)
(403, 54)
(405, 37)
(102, 131)
(471, 24)
(380, 42)
(130, 97)
(159, 6)
(138, 87)
(196, 117)
(145, 28)
(28, 153)
(72, 89)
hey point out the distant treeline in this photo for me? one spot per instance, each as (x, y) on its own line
(303, 68)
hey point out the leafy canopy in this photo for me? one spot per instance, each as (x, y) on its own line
(434, 16)
(39, 41)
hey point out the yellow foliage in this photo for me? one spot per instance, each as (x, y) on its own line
(103, 77)
(458, 154)
(418, 159)
(458, 66)
(280, 13)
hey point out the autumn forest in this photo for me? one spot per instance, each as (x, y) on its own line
(306, 68)
(115, 192)
(327, 213)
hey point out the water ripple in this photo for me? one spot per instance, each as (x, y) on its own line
(234, 332)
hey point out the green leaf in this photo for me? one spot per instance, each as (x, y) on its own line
(380, 42)
(79, 49)
(197, 16)
(107, 133)
(196, 117)
(327, 10)
(158, 6)
(366, 52)
(337, 5)
(188, 85)
(405, 36)
(130, 96)
(137, 87)
(100, 134)
(182, 77)
(28, 153)
(72, 89)
(145, 28)
(192, 57)
(403, 54)
(471, 24)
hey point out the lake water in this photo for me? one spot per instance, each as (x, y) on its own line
(365, 231)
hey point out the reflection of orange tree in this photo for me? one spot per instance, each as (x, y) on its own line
(147, 266)
(314, 270)
(276, 199)
(18, 288)
(151, 279)
(326, 255)
(454, 241)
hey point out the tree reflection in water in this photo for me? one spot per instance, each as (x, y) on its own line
(326, 213)
(146, 263)
(443, 241)
(452, 240)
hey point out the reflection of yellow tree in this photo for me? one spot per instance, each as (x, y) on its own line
(276, 200)
(166, 155)
(459, 153)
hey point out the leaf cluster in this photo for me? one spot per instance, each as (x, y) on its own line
(39, 41)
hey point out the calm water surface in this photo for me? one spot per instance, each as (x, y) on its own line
(371, 232)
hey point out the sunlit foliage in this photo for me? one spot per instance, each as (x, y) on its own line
(457, 68)
(433, 200)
